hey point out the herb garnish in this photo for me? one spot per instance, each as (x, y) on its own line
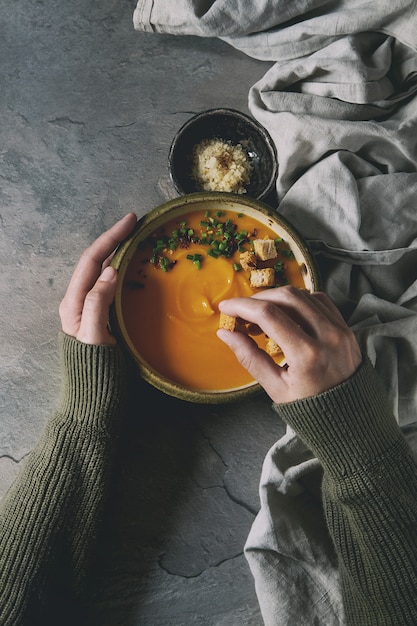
(221, 237)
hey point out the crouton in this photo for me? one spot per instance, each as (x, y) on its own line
(248, 261)
(265, 249)
(228, 322)
(262, 278)
(272, 348)
(234, 324)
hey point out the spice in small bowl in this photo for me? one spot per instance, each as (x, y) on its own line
(224, 150)
(221, 166)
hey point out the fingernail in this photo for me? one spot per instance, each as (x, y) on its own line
(128, 216)
(108, 274)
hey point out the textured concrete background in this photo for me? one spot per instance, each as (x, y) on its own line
(88, 108)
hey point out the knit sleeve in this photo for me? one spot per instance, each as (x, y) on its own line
(369, 495)
(49, 515)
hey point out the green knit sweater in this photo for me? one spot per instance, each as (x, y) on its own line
(49, 518)
(369, 494)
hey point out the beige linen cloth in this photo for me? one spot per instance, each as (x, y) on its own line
(340, 104)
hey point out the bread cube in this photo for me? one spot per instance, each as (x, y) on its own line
(247, 260)
(272, 348)
(262, 277)
(228, 322)
(265, 249)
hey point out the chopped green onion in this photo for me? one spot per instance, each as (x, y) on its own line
(288, 253)
(213, 253)
(164, 263)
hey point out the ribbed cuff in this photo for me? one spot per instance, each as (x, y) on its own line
(347, 427)
(93, 382)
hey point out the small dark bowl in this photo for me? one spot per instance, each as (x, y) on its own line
(234, 127)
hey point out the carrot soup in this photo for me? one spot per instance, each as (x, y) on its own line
(172, 287)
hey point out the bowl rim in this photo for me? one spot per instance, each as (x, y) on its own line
(121, 260)
(270, 187)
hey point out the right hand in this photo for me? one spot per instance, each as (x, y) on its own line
(320, 349)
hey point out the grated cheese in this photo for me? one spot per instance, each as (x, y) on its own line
(221, 166)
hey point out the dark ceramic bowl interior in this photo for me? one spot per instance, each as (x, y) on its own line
(232, 126)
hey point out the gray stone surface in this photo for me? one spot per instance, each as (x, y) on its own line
(88, 108)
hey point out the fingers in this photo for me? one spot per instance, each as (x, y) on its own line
(88, 270)
(283, 314)
(320, 349)
(257, 362)
(93, 328)
(288, 315)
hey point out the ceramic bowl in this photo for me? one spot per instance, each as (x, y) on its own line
(233, 127)
(179, 208)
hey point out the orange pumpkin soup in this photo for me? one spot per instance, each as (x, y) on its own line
(172, 288)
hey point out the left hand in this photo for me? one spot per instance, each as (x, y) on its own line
(85, 307)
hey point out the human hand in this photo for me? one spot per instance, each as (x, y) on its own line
(320, 349)
(85, 307)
